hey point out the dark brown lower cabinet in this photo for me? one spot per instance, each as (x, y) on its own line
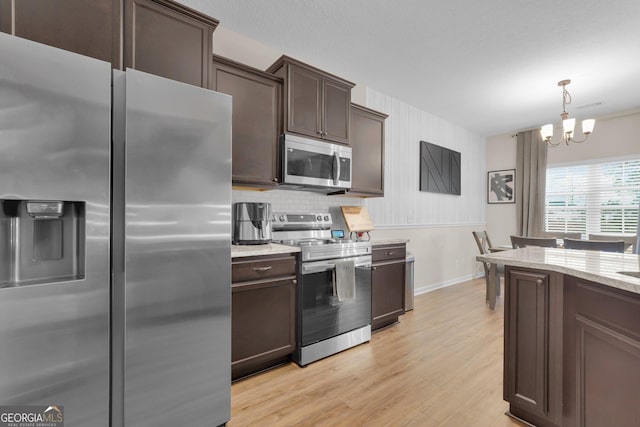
(572, 351)
(602, 355)
(263, 294)
(387, 284)
(533, 343)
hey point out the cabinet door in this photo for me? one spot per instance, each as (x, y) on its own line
(256, 115)
(387, 293)
(602, 355)
(167, 39)
(367, 144)
(262, 324)
(532, 354)
(335, 111)
(305, 103)
(89, 28)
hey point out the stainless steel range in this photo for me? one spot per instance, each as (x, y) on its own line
(333, 303)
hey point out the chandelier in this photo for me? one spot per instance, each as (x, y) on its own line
(567, 124)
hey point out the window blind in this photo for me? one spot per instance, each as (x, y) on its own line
(593, 198)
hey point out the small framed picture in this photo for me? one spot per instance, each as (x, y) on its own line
(501, 186)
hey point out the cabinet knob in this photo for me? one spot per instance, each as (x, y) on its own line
(275, 179)
(388, 253)
(294, 281)
(539, 282)
(265, 268)
(374, 268)
(319, 132)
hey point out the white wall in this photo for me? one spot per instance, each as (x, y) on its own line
(613, 137)
(501, 218)
(438, 226)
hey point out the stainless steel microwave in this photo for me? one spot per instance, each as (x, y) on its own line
(315, 164)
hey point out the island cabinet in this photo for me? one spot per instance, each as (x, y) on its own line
(316, 103)
(533, 345)
(160, 37)
(256, 120)
(387, 284)
(601, 355)
(262, 312)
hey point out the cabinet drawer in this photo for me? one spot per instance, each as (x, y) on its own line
(248, 269)
(388, 252)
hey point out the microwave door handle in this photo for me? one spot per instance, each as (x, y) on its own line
(336, 168)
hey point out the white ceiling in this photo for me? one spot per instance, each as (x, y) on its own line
(491, 66)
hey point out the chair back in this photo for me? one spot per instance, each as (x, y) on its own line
(482, 240)
(522, 242)
(595, 245)
(561, 235)
(628, 240)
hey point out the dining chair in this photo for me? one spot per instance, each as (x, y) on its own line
(484, 246)
(595, 245)
(629, 241)
(522, 242)
(561, 235)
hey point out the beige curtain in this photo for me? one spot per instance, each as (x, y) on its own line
(531, 176)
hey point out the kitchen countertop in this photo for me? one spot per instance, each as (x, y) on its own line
(238, 251)
(388, 241)
(599, 267)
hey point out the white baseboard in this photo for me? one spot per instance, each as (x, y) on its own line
(439, 285)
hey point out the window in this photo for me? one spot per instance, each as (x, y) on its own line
(593, 198)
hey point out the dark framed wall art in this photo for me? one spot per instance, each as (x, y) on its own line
(501, 186)
(439, 169)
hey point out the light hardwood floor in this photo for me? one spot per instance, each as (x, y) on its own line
(440, 366)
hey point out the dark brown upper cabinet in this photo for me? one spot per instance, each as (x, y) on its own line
(167, 39)
(160, 37)
(90, 28)
(256, 119)
(316, 103)
(367, 144)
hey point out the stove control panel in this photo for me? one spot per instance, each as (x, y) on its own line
(301, 221)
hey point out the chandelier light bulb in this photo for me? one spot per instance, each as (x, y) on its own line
(546, 132)
(568, 125)
(587, 126)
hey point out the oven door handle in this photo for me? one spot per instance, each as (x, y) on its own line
(308, 268)
(317, 268)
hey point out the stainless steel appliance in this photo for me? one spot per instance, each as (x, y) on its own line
(251, 223)
(115, 256)
(326, 324)
(310, 164)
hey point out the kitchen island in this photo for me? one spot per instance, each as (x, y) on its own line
(572, 336)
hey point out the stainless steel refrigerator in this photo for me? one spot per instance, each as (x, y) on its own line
(115, 193)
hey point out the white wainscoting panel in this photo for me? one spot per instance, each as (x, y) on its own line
(403, 203)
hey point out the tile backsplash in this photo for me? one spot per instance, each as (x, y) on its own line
(295, 201)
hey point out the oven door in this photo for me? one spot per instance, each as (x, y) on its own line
(320, 314)
(312, 163)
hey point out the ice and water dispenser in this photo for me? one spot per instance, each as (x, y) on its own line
(41, 241)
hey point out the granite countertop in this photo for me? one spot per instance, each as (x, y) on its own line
(599, 267)
(238, 251)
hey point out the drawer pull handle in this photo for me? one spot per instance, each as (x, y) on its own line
(267, 268)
